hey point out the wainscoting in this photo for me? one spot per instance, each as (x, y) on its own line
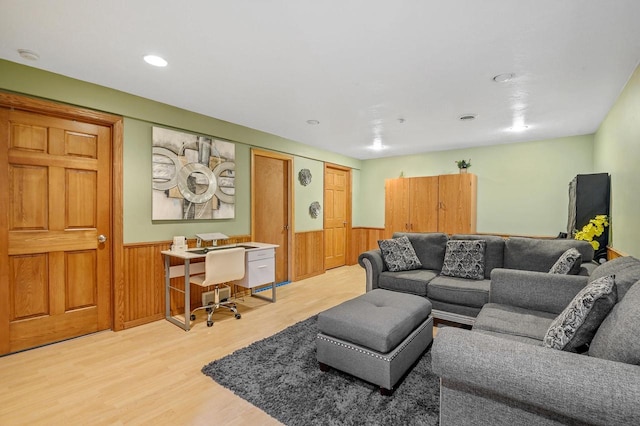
(363, 239)
(143, 285)
(308, 259)
(142, 290)
(613, 253)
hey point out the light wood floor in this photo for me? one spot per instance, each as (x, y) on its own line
(151, 374)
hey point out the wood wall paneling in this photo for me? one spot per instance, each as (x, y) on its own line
(309, 254)
(364, 239)
(143, 299)
(612, 253)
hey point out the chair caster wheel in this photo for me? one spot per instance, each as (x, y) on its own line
(209, 323)
(238, 316)
(193, 317)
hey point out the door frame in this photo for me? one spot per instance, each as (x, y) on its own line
(115, 123)
(348, 206)
(290, 202)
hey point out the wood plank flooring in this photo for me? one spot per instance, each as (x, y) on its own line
(151, 374)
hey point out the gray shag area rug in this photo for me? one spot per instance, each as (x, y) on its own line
(280, 375)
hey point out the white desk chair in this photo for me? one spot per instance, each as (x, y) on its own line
(221, 266)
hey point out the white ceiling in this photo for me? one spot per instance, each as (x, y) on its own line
(357, 66)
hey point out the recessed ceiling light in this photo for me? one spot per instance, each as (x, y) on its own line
(156, 61)
(503, 78)
(467, 117)
(377, 144)
(313, 122)
(29, 54)
(518, 128)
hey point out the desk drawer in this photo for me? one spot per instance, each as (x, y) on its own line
(260, 254)
(261, 272)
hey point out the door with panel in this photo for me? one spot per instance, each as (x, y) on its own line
(411, 204)
(457, 206)
(396, 215)
(423, 204)
(336, 215)
(270, 207)
(56, 189)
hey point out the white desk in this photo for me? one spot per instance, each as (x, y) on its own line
(259, 270)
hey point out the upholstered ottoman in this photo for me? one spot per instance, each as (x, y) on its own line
(377, 336)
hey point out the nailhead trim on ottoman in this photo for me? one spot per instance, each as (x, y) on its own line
(382, 369)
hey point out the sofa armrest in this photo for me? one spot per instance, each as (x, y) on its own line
(592, 390)
(539, 291)
(373, 264)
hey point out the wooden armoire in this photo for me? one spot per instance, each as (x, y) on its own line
(445, 203)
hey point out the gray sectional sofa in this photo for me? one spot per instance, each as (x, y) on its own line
(459, 299)
(499, 373)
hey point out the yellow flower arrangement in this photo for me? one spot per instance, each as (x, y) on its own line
(594, 228)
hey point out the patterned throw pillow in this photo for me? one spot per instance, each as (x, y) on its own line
(567, 262)
(398, 254)
(577, 324)
(464, 259)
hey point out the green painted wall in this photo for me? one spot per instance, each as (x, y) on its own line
(305, 195)
(522, 188)
(138, 225)
(140, 115)
(617, 149)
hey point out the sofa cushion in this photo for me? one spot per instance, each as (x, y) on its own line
(429, 247)
(626, 269)
(514, 321)
(460, 291)
(536, 254)
(494, 251)
(414, 282)
(578, 323)
(464, 259)
(568, 263)
(513, 337)
(618, 338)
(398, 254)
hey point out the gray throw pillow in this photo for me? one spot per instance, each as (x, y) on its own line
(398, 254)
(577, 324)
(567, 263)
(464, 259)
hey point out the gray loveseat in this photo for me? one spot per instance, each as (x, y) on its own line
(459, 299)
(499, 373)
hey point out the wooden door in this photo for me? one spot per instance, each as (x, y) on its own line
(337, 201)
(56, 197)
(423, 204)
(457, 207)
(396, 201)
(270, 207)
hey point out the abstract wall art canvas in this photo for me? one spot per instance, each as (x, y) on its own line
(193, 176)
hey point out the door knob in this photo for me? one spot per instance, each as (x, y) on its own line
(102, 238)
